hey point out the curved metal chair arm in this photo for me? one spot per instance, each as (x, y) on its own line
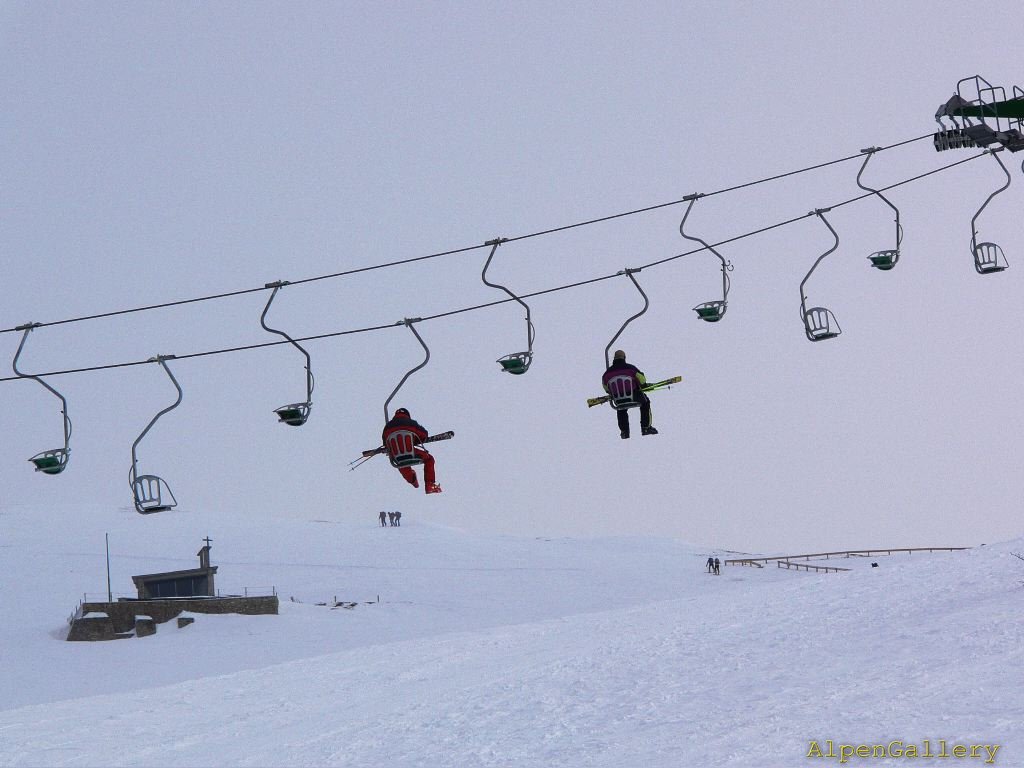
(408, 324)
(647, 303)
(159, 359)
(974, 229)
(28, 328)
(820, 213)
(868, 154)
(263, 321)
(529, 322)
(726, 265)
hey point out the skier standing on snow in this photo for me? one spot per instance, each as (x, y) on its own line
(403, 421)
(711, 564)
(391, 519)
(619, 367)
(717, 564)
(382, 523)
(398, 518)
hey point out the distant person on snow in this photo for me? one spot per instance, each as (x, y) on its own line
(382, 523)
(391, 519)
(711, 563)
(398, 518)
(403, 421)
(620, 367)
(717, 564)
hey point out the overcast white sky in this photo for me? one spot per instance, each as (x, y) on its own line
(155, 151)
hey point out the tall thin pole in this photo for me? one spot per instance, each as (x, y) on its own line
(110, 596)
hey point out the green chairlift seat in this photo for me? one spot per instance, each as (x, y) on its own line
(51, 462)
(517, 363)
(710, 311)
(884, 260)
(294, 415)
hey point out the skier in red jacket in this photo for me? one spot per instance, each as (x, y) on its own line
(402, 421)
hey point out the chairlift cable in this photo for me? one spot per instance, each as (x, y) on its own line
(545, 291)
(454, 251)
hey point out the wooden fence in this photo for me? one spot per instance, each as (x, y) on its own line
(786, 561)
(807, 567)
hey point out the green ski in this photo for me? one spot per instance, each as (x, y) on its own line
(666, 384)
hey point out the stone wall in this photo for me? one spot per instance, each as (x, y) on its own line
(120, 617)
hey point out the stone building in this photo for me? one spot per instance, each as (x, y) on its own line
(195, 582)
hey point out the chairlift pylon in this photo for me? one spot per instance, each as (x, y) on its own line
(294, 414)
(150, 492)
(709, 311)
(988, 257)
(886, 259)
(819, 322)
(54, 461)
(518, 362)
(981, 115)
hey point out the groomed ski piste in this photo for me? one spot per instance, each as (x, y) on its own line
(475, 650)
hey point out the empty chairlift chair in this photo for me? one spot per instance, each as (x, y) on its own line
(293, 414)
(886, 259)
(54, 461)
(516, 363)
(819, 322)
(151, 492)
(709, 311)
(988, 257)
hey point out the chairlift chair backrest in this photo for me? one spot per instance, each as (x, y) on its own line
(152, 494)
(988, 257)
(821, 324)
(622, 391)
(401, 445)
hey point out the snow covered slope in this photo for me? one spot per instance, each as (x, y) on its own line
(499, 651)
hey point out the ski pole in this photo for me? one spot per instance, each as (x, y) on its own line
(359, 462)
